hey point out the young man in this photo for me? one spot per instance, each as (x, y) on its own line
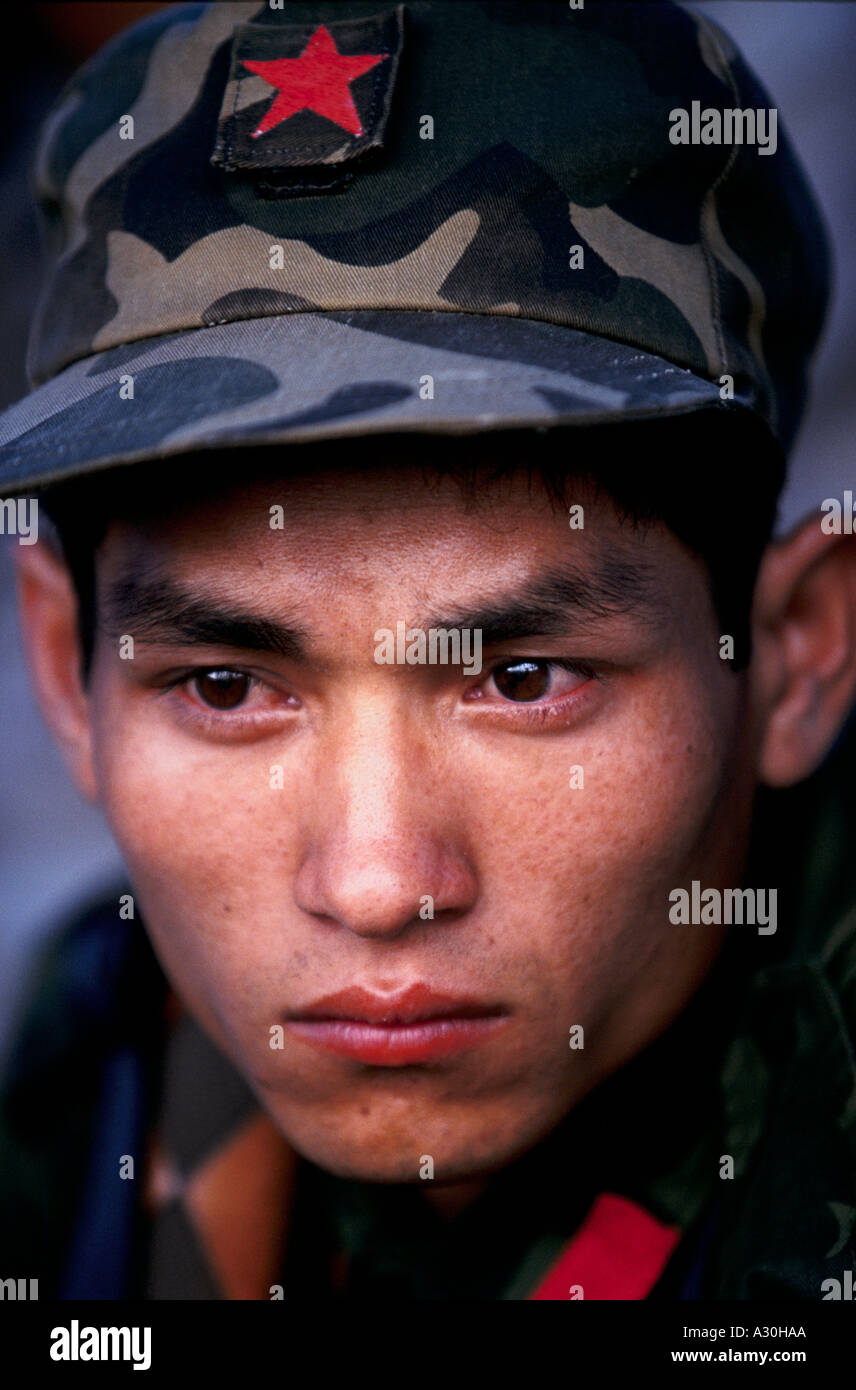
(475, 943)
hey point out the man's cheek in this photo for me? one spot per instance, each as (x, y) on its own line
(610, 812)
(610, 851)
(176, 805)
(206, 861)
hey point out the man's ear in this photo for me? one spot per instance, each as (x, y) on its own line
(47, 605)
(804, 650)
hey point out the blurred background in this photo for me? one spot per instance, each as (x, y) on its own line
(55, 851)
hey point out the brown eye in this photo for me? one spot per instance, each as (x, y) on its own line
(222, 689)
(523, 680)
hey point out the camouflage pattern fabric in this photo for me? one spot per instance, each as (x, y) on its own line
(547, 257)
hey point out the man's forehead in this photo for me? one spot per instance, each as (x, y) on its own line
(509, 564)
(387, 528)
(395, 506)
(333, 494)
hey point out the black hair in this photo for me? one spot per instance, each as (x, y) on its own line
(712, 478)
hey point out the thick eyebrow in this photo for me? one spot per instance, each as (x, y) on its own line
(559, 600)
(158, 610)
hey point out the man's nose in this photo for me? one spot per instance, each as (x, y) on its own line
(385, 843)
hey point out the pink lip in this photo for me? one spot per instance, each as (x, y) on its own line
(413, 1025)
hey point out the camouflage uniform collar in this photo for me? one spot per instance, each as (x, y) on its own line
(789, 1075)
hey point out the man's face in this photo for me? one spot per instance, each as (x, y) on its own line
(292, 809)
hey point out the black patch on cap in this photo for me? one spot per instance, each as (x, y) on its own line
(304, 100)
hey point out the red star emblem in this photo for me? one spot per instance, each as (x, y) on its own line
(317, 80)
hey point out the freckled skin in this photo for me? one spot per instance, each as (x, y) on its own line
(549, 901)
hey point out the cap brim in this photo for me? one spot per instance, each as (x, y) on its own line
(328, 375)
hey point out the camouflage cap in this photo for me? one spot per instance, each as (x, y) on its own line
(281, 222)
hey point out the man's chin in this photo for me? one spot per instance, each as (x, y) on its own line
(397, 1169)
(420, 1154)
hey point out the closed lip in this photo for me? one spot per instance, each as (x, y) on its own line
(416, 1004)
(412, 1026)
